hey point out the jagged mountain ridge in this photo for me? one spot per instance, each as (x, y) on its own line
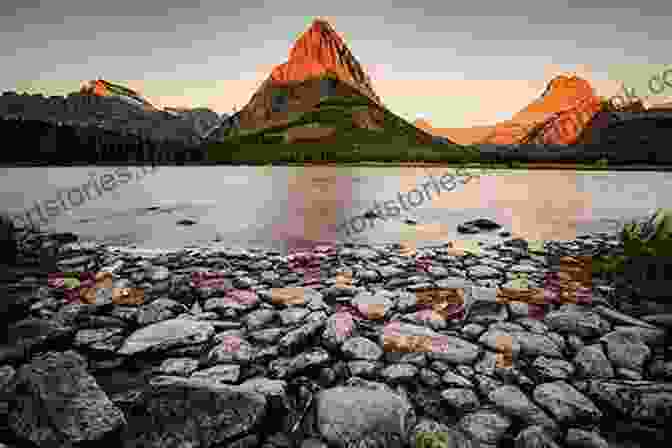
(115, 108)
(321, 94)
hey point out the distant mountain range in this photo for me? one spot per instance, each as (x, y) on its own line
(322, 94)
(116, 108)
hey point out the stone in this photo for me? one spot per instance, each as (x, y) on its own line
(361, 348)
(455, 380)
(194, 413)
(511, 401)
(485, 426)
(178, 366)
(338, 328)
(349, 415)
(579, 438)
(373, 306)
(626, 349)
(525, 342)
(232, 349)
(397, 373)
(553, 369)
(58, 403)
(431, 429)
(591, 362)
(223, 373)
(166, 335)
(571, 319)
(565, 403)
(644, 401)
(158, 310)
(460, 399)
(534, 437)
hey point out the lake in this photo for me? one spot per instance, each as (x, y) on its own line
(289, 208)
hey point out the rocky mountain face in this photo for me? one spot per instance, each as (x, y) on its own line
(319, 52)
(320, 67)
(202, 119)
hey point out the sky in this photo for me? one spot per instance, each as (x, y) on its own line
(456, 64)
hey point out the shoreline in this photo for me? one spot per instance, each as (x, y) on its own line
(287, 333)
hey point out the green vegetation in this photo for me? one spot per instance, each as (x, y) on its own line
(395, 141)
(651, 240)
(432, 440)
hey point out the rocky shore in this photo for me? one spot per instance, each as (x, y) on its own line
(341, 346)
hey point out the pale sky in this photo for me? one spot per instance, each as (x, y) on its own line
(455, 64)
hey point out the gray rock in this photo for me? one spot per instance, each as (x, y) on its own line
(644, 401)
(286, 367)
(579, 438)
(101, 339)
(348, 415)
(626, 349)
(481, 272)
(397, 373)
(451, 379)
(454, 350)
(258, 318)
(232, 350)
(512, 401)
(223, 373)
(534, 437)
(485, 426)
(591, 362)
(167, 334)
(553, 369)
(58, 403)
(463, 400)
(527, 343)
(572, 319)
(565, 403)
(295, 339)
(362, 348)
(195, 413)
(293, 315)
(178, 366)
(365, 369)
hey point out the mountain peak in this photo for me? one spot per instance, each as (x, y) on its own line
(321, 52)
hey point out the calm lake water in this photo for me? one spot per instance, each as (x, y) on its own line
(296, 207)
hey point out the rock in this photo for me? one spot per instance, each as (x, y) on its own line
(591, 362)
(399, 373)
(462, 400)
(286, 367)
(644, 401)
(663, 320)
(478, 225)
(58, 403)
(349, 415)
(579, 438)
(553, 369)
(232, 349)
(573, 320)
(626, 349)
(619, 318)
(223, 373)
(565, 403)
(534, 437)
(295, 339)
(373, 306)
(178, 366)
(101, 339)
(194, 412)
(527, 343)
(452, 379)
(512, 401)
(485, 426)
(166, 335)
(158, 310)
(362, 348)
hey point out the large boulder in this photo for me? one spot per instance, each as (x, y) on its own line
(348, 415)
(175, 411)
(57, 403)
